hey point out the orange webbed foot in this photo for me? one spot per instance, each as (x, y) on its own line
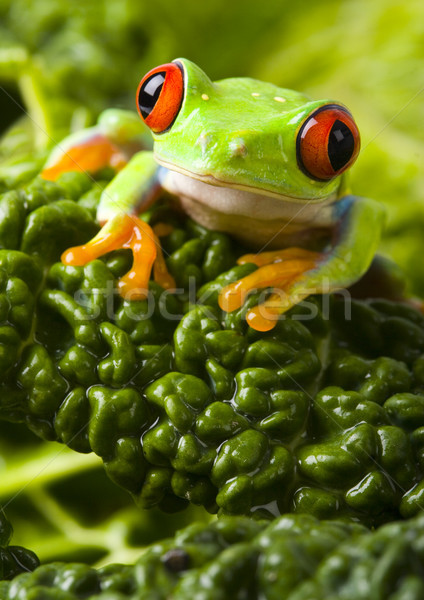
(127, 231)
(86, 154)
(277, 269)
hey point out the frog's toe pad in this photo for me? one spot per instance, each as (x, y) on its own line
(264, 316)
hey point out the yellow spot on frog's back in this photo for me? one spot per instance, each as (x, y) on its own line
(279, 99)
(205, 97)
(255, 94)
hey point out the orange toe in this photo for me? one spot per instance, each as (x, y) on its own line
(266, 258)
(277, 275)
(127, 231)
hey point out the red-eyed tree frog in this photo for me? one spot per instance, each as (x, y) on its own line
(241, 156)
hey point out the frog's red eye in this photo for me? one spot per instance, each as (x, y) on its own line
(160, 95)
(327, 143)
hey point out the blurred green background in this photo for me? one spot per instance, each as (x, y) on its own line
(62, 62)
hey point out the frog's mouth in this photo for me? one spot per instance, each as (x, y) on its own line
(228, 207)
(257, 191)
(254, 218)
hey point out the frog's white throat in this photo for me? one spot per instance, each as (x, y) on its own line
(250, 216)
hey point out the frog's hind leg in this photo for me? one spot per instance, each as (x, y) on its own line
(111, 143)
(87, 152)
(127, 231)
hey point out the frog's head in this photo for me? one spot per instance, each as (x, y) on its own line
(247, 134)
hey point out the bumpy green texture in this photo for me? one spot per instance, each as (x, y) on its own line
(13, 559)
(296, 557)
(184, 403)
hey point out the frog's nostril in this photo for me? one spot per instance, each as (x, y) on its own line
(238, 148)
(204, 141)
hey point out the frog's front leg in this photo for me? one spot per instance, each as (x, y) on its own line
(131, 192)
(116, 138)
(297, 273)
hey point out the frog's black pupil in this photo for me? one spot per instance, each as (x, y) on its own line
(149, 93)
(176, 560)
(341, 145)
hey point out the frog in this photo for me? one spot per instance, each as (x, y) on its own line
(264, 164)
